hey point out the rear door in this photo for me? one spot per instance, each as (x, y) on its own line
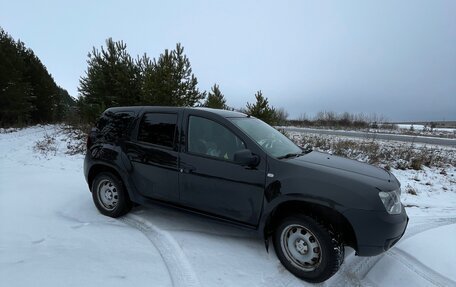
(210, 181)
(154, 155)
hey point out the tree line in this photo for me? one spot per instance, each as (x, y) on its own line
(28, 93)
(114, 78)
(332, 119)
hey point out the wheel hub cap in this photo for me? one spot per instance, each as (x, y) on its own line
(108, 194)
(301, 246)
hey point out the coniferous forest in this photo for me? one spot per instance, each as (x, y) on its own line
(29, 94)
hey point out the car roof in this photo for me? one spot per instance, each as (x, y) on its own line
(223, 113)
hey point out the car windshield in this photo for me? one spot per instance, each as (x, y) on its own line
(271, 140)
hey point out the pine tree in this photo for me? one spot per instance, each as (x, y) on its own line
(63, 104)
(215, 99)
(169, 81)
(281, 116)
(261, 109)
(28, 93)
(112, 79)
(43, 96)
(14, 90)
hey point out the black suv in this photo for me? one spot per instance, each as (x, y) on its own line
(236, 168)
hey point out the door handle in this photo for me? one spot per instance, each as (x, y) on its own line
(187, 168)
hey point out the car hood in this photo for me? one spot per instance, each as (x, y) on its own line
(340, 163)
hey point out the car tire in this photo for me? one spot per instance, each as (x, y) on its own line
(109, 195)
(307, 248)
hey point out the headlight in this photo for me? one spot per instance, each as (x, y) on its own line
(392, 201)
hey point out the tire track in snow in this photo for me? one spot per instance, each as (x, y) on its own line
(427, 225)
(357, 270)
(179, 268)
(419, 268)
(283, 278)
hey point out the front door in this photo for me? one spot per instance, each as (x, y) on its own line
(211, 181)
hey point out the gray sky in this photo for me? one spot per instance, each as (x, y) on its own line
(396, 58)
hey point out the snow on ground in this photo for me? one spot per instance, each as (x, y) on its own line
(411, 126)
(435, 192)
(384, 153)
(52, 235)
(424, 128)
(402, 129)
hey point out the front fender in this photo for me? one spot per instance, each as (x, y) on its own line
(295, 198)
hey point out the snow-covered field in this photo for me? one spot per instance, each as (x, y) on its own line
(402, 129)
(424, 128)
(52, 235)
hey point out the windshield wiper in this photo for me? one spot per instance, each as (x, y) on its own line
(295, 154)
(307, 150)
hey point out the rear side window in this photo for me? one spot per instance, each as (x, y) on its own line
(115, 125)
(158, 129)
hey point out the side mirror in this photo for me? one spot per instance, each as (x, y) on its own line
(246, 158)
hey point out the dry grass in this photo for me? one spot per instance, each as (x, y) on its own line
(76, 137)
(410, 190)
(385, 154)
(46, 146)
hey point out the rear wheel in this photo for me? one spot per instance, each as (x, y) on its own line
(307, 248)
(109, 195)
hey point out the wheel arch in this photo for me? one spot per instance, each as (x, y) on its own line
(98, 168)
(329, 216)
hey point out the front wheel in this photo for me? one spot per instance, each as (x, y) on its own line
(307, 248)
(109, 195)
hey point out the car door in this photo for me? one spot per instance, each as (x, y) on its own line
(154, 156)
(210, 181)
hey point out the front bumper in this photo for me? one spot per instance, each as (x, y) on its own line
(376, 231)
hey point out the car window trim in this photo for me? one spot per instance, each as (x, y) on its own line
(155, 145)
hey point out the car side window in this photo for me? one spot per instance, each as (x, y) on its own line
(206, 137)
(158, 129)
(115, 125)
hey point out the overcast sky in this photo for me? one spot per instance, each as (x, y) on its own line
(395, 58)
